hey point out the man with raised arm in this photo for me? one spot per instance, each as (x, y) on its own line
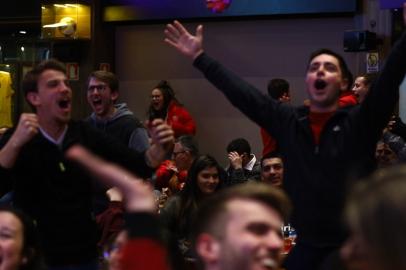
(325, 147)
(52, 190)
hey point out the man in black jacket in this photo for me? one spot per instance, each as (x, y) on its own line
(324, 146)
(52, 190)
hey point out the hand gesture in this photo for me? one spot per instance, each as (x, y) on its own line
(114, 195)
(178, 37)
(162, 140)
(138, 195)
(27, 128)
(235, 160)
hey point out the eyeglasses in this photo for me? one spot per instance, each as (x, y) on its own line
(99, 88)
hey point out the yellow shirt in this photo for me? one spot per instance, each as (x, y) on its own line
(6, 94)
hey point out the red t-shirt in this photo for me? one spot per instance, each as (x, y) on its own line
(317, 122)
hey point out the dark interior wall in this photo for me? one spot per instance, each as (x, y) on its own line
(256, 50)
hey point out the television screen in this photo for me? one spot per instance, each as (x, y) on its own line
(185, 9)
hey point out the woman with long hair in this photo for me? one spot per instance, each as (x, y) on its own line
(19, 242)
(204, 178)
(164, 105)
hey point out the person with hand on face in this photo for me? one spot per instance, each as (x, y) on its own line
(324, 146)
(238, 228)
(48, 187)
(243, 164)
(164, 105)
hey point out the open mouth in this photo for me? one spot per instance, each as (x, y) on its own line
(269, 263)
(320, 84)
(97, 102)
(64, 103)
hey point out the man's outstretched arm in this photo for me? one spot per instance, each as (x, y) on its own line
(144, 250)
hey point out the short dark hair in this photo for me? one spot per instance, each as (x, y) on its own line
(239, 145)
(345, 71)
(30, 81)
(189, 143)
(272, 154)
(213, 213)
(107, 77)
(31, 243)
(277, 88)
(376, 208)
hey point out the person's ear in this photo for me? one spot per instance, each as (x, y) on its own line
(208, 248)
(114, 96)
(33, 98)
(344, 85)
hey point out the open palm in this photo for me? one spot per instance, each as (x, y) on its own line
(188, 44)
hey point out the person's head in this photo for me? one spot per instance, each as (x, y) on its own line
(376, 216)
(185, 150)
(362, 84)
(102, 92)
(279, 89)
(204, 177)
(47, 91)
(327, 76)
(242, 147)
(240, 228)
(272, 169)
(19, 243)
(161, 96)
(384, 155)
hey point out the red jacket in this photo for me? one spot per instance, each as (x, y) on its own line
(268, 141)
(164, 173)
(347, 98)
(180, 120)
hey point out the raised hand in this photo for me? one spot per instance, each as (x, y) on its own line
(162, 140)
(235, 160)
(27, 128)
(178, 37)
(138, 195)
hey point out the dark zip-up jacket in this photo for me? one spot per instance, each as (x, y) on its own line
(317, 177)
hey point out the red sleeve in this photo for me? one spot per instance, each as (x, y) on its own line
(347, 100)
(145, 249)
(144, 254)
(181, 121)
(110, 222)
(163, 175)
(268, 141)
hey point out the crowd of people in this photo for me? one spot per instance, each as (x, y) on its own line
(114, 192)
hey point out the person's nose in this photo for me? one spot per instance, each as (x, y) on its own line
(273, 240)
(65, 87)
